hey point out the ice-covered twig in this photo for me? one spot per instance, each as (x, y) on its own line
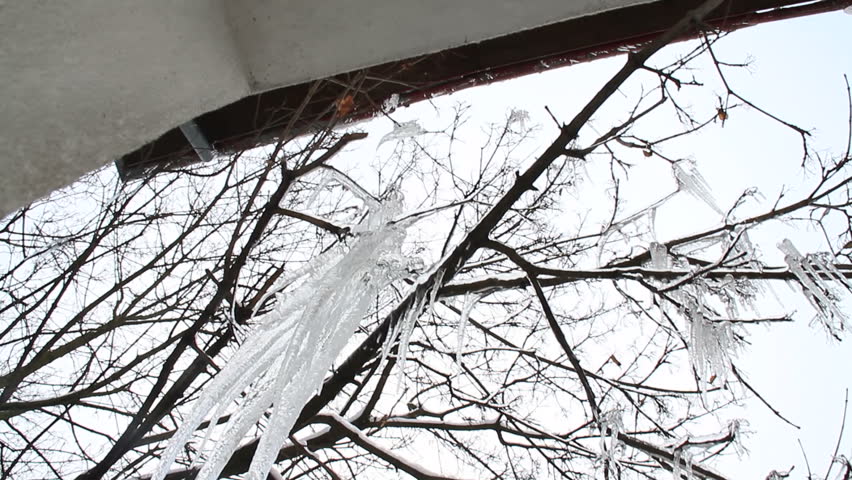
(402, 131)
(351, 185)
(683, 466)
(611, 425)
(409, 217)
(362, 440)
(649, 213)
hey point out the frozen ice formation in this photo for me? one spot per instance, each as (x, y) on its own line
(817, 275)
(690, 180)
(402, 131)
(283, 361)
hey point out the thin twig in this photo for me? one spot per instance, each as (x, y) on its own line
(840, 436)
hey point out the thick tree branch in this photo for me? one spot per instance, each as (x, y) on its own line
(446, 269)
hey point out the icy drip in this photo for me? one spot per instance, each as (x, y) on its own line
(682, 449)
(611, 425)
(659, 256)
(816, 274)
(682, 465)
(284, 360)
(391, 103)
(402, 131)
(711, 343)
(470, 301)
(521, 117)
(405, 327)
(690, 180)
(743, 248)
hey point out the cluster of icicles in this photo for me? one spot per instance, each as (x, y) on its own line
(711, 341)
(284, 359)
(817, 275)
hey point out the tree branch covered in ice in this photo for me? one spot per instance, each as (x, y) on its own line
(537, 309)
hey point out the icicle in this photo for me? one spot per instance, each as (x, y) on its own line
(401, 131)
(682, 465)
(391, 103)
(711, 344)
(676, 468)
(743, 249)
(470, 301)
(521, 117)
(359, 192)
(406, 328)
(735, 427)
(814, 274)
(693, 183)
(433, 295)
(824, 263)
(611, 425)
(659, 256)
(401, 334)
(652, 222)
(285, 358)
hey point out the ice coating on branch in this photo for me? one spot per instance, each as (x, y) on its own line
(470, 300)
(775, 474)
(682, 465)
(611, 425)
(711, 343)
(401, 131)
(370, 201)
(284, 359)
(321, 186)
(682, 449)
(817, 274)
(690, 180)
(391, 103)
(521, 117)
(743, 247)
(659, 256)
(652, 222)
(404, 328)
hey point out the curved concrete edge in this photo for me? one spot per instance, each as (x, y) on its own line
(86, 81)
(319, 38)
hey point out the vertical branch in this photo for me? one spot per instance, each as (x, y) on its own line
(532, 275)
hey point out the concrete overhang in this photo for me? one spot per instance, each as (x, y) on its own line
(87, 81)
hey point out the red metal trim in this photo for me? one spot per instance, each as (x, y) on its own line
(617, 47)
(259, 119)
